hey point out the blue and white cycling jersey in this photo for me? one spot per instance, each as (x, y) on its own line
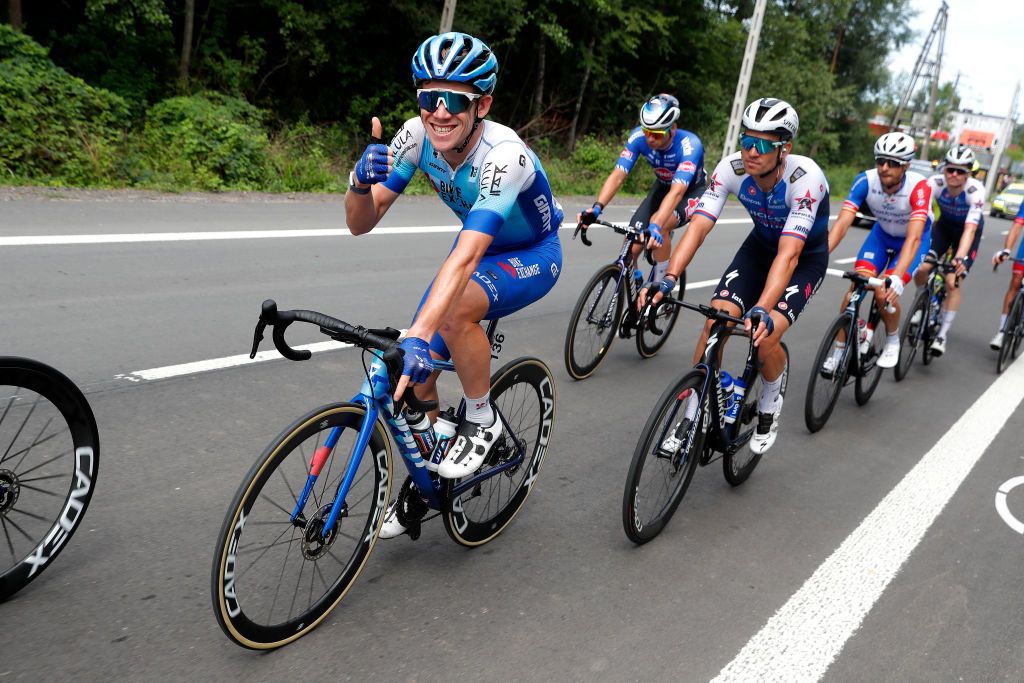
(681, 162)
(913, 199)
(796, 207)
(500, 189)
(966, 207)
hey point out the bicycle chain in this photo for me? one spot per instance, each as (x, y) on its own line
(410, 508)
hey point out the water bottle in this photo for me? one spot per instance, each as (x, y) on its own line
(739, 388)
(422, 432)
(444, 430)
(727, 388)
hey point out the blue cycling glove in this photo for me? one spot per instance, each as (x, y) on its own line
(667, 285)
(654, 230)
(416, 363)
(765, 318)
(588, 216)
(372, 167)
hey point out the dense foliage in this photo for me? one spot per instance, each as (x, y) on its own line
(278, 94)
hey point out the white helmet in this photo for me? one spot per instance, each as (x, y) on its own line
(898, 146)
(960, 155)
(659, 112)
(769, 115)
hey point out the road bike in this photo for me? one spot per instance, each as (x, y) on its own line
(308, 513)
(607, 306)
(1013, 329)
(922, 322)
(688, 425)
(49, 457)
(856, 359)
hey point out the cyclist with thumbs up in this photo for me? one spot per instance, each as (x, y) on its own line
(507, 254)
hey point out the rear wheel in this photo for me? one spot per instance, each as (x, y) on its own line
(869, 373)
(593, 323)
(1018, 328)
(738, 466)
(649, 342)
(523, 391)
(824, 384)
(665, 458)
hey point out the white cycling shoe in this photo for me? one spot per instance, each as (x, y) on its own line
(890, 354)
(472, 444)
(916, 318)
(767, 429)
(997, 342)
(939, 346)
(831, 364)
(391, 527)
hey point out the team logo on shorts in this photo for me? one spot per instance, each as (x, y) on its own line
(554, 270)
(782, 305)
(724, 292)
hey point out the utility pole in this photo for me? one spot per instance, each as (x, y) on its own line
(447, 16)
(746, 68)
(936, 66)
(938, 30)
(1004, 141)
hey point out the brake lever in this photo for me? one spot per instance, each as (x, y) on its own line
(581, 230)
(257, 337)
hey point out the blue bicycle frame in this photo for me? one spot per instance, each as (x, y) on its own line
(375, 397)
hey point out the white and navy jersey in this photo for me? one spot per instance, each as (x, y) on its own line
(796, 207)
(893, 211)
(500, 189)
(966, 207)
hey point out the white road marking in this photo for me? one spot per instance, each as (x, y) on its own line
(1003, 509)
(845, 260)
(804, 637)
(136, 237)
(701, 284)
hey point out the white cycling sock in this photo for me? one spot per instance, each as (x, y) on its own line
(892, 339)
(658, 271)
(1002, 322)
(838, 349)
(769, 393)
(947, 320)
(479, 410)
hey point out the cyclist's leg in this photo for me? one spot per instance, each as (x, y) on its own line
(502, 284)
(871, 259)
(952, 303)
(892, 320)
(739, 287)
(679, 217)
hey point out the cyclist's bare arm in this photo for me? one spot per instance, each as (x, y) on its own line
(966, 239)
(450, 282)
(700, 226)
(612, 184)
(781, 271)
(840, 228)
(364, 211)
(911, 243)
(668, 204)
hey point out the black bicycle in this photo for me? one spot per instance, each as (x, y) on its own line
(693, 420)
(49, 454)
(922, 322)
(607, 306)
(839, 361)
(1013, 329)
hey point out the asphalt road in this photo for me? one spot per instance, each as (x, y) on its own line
(561, 594)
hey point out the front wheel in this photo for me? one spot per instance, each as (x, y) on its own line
(869, 372)
(649, 342)
(523, 392)
(827, 380)
(275, 578)
(594, 322)
(49, 456)
(1010, 339)
(665, 458)
(738, 465)
(1018, 327)
(911, 333)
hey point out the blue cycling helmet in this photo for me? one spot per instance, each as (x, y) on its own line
(456, 57)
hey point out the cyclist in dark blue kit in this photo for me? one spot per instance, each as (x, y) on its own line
(677, 157)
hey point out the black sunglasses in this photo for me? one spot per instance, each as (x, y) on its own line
(891, 163)
(956, 171)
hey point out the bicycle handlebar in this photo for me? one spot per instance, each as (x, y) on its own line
(385, 339)
(1012, 259)
(871, 282)
(632, 234)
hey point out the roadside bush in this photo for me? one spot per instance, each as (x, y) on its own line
(54, 126)
(304, 158)
(206, 142)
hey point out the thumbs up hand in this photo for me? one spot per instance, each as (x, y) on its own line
(375, 163)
